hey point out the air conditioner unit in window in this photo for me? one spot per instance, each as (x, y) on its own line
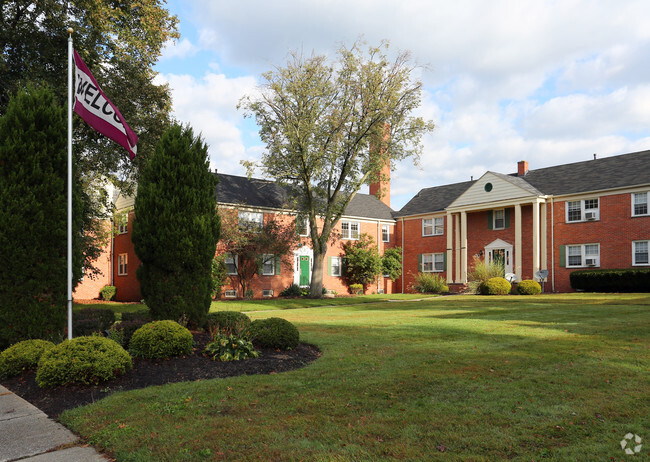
(267, 293)
(590, 261)
(590, 216)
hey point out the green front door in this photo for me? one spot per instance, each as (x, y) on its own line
(304, 270)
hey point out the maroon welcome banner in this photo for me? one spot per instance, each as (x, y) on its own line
(95, 108)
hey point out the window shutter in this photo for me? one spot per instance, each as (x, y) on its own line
(490, 220)
(278, 265)
(506, 215)
(329, 266)
(562, 256)
(419, 263)
(444, 261)
(344, 266)
(260, 265)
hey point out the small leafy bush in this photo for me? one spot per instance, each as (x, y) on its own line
(108, 292)
(293, 290)
(529, 287)
(82, 360)
(122, 332)
(229, 347)
(482, 271)
(495, 286)
(161, 339)
(89, 320)
(356, 288)
(229, 322)
(22, 356)
(142, 315)
(611, 280)
(274, 333)
(429, 283)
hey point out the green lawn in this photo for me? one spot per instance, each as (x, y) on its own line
(560, 377)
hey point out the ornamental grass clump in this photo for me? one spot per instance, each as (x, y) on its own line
(161, 339)
(274, 333)
(495, 286)
(427, 283)
(229, 322)
(22, 356)
(482, 271)
(529, 287)
(82, 360)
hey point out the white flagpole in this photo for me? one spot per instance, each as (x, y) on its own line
(70, 30)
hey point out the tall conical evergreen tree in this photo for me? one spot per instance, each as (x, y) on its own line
(33, 218)
(176, 227)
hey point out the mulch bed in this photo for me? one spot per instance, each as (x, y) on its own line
(145, 373)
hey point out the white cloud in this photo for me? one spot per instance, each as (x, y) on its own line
(181, 49)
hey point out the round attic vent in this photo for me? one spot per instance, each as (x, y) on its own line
(488, 187)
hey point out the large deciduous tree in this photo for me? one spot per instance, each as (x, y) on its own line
(177, 227)
(33, 218)
(120, 41)
(330, 127)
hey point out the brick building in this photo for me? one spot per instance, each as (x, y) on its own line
(591, 214)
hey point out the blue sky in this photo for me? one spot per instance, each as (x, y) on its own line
(550, 82)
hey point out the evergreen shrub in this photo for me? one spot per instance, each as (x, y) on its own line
(108, 292)
(161, 339)
(274, 333)
(293, 290)
(611, 280)
(495, 286)
(123, 331)
(86, 321)
(529, 287)
(22, 356)
(82, 360)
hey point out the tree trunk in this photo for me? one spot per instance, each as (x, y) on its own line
(317, 275)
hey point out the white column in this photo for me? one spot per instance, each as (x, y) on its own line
(518, 250)
(450, 243)
(463, 247)
(457, 247)
(536, 258)
(543, 236)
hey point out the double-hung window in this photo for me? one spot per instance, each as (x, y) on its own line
(335, 266)
(122, 264)
(231, 263)
(268, 264)
(385, 233)
(433, 262)
(350, 230)
(640, 253)
(433, 226)
(251, 221)
(499, 219)
(640, 204)
(302, 225)
(583, 210)
(583, 255)
(123, 227)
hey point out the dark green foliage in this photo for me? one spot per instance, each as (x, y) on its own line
(83, 360)
(391, 263)
(611, 280)
(142, 315)
(161, 339)
(356, 289)
(230, 347)
(219, 275)
(33, 218)
(274, 333)
(86, 326)
(105, 318)
(293, 290)
(529, 287)
(177, 228)
(22, 356)
(362, 261)
(229, 322)
(495, 286)
(108, 292)
(122, 332)
(429, 283)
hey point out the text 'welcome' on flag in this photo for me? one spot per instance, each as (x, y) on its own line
(95, 108)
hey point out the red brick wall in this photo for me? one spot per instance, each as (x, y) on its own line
(128, 287)
(89, 287)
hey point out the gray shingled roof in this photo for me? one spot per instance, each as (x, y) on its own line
(580, 177)
(434, 199)
(253, 192)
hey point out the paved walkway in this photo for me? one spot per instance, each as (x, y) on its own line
(27, 434)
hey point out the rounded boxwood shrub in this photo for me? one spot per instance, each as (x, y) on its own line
(108, 292)
(82, 360)
(274, 333)
(231, 322)
(22, 356)
(529, 287)
(161, 339)
(495, 286)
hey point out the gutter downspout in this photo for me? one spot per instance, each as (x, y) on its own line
(379, 236)
(112, 252)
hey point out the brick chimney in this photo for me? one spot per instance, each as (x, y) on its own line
(522, 167)
(381, 187)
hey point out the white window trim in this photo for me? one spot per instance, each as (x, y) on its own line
(306, 223)
(433, 262)
(583, 256)
(494, 219)
(244, 220)
(385, 237)
(230, 293)
(433, 226)
(268, 259)
(339, 267)
(123, 264)
(647, 198)
(348, 235)
(122, 228)
(634, 263)
(234, 260)
(583, 211)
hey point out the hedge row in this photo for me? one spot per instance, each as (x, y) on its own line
(611, 280)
